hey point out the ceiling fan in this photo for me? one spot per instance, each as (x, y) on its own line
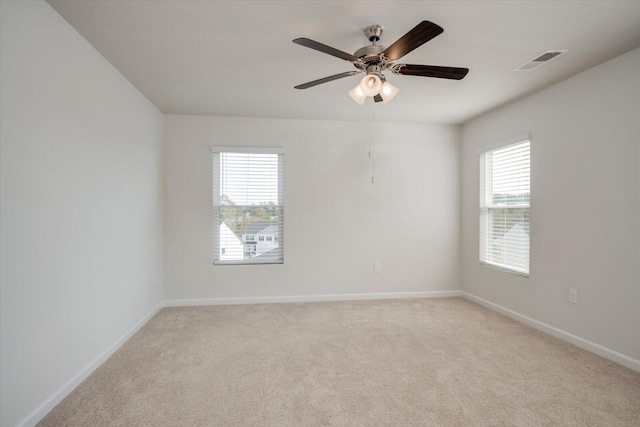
(375, 59)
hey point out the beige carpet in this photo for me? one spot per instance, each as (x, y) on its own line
(444, 362)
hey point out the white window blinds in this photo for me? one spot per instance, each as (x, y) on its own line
(248, 208)
(504, 207)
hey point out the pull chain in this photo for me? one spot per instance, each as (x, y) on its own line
(372, 142)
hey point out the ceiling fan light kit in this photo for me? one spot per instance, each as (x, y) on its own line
(358, 95)
(374, 59)
(370, 85)
(388, 92)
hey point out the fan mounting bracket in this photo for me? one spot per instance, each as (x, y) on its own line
(373, 33)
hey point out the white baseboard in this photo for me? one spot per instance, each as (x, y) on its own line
(605, 352)
(45, 407)
(308, 298)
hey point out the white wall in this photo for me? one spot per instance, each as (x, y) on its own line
(337, 224)
(585, 205)
(81, 206)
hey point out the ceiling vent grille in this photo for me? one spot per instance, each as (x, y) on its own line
(535, 63)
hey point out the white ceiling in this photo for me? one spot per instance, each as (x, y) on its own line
(236, 58)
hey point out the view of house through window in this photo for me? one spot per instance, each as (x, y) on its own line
(248, 207)
(504, 207)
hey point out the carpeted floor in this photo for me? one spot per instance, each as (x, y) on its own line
(444, 362)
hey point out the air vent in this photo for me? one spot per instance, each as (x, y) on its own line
(535, 63)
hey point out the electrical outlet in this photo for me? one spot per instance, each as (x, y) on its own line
(573, 296)
(377, 267)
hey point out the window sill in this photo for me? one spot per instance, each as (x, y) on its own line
(247, 262)
(505, 269)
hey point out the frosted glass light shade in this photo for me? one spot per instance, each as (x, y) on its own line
(388, 92)
(357, 95)
(370, 85)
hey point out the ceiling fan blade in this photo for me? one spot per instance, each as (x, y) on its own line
(419, 35)
(377, 98)
(327, 79)
(303, 41)
(453, 73)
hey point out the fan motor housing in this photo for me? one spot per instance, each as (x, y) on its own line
(369, 54)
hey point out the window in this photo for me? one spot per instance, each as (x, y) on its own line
(248, 199)
(504, 207)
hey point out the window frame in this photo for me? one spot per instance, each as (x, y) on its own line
(521, 139)
(281, 202)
